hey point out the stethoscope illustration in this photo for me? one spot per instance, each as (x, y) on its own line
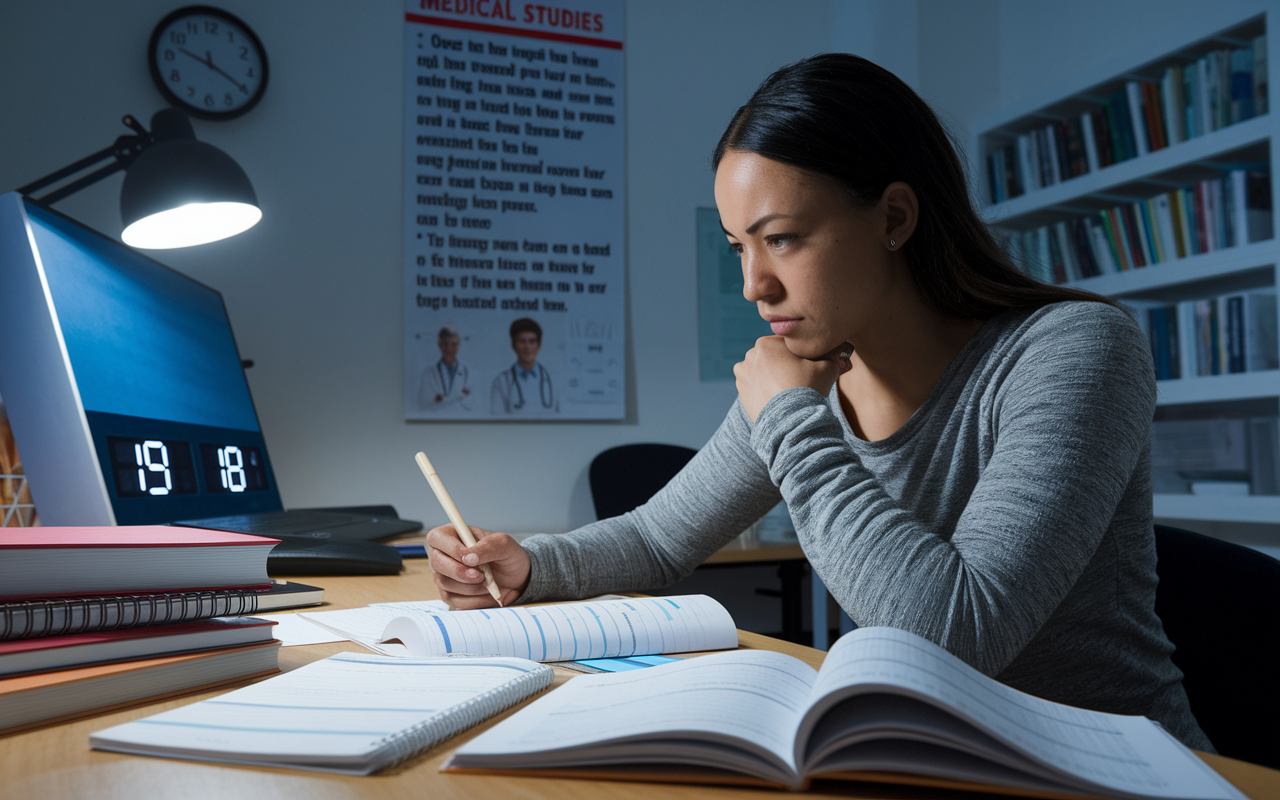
(545, 393)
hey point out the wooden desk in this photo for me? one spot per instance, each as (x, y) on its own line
(56, 762)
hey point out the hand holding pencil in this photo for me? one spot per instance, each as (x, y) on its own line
(471, 565)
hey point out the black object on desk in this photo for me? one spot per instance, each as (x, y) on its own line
(323, 541)
(301, 555)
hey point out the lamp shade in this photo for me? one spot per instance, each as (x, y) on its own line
(181, 192)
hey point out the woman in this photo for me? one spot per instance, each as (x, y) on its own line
(965, 452)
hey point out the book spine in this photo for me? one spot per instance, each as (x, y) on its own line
(1202, 337)
(1137, 118)
(1190, 76)
(1090, 143)
(1052, 154)
(1260, 223)
(1187, 326)
(1133, 234)
(1069, 263)
(1205, 93)
(1239, 207)
(1102, 137)
(1148, 223)
(1215, 337)
(1030, 175)
(1159, 342)
(1235, 333)
(1117, 120)
(1115, 239)
(1241, 84)
(1102, 247)
(38, 618)
(1171, 95)
(1154, 115)
(1168, 231)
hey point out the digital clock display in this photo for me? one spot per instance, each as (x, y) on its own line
(231, 468)
(152, 467)
(164, 467)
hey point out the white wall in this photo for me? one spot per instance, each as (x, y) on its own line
(314, 290)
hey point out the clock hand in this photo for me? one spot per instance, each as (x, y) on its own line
(208, 62)
(216, 69)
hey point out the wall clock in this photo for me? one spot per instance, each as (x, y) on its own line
(208, 62)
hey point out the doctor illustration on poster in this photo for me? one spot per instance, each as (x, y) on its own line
(526, 388)
(447, 383)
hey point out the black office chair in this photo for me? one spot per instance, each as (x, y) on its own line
(1220, 605)
(625, 477)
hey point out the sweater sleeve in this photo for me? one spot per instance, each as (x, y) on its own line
(722, 491)
(1071, 409)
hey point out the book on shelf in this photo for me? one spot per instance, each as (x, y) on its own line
(886, 706)
(1210, 215)
(79, 649)
(1190, 99)
(45, 698)
(1222, 335)
(74, 562)
(351, 713)
(552, 632)
(26, 619)
(1239, 451)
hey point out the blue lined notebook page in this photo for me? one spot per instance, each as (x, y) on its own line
(351, 713)
(631, 626)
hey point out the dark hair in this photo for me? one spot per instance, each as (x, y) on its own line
(526, 325)
(842, 116)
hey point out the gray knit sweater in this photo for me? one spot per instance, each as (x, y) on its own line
(1009, 520)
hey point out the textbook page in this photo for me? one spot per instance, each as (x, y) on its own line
(352, 713)
(1122, 753)
(364, 626)
(751, 699)
(572, 631)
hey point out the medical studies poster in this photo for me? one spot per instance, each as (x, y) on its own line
(514, 203)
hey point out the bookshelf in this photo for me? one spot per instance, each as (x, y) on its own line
(1024, 199)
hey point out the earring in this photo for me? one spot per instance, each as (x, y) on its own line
(892, 243)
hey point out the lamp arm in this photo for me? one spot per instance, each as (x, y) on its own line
(124, 150)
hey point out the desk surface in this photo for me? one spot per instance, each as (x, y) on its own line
(56, 762)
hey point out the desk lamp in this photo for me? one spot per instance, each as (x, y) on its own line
(177, 191)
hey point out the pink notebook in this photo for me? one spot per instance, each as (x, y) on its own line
(72, 562)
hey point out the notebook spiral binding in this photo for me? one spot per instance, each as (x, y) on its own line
(37, 618)
(403, 745)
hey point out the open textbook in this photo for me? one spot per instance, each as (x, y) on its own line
(554, 632)
(886, 706)
(353, 713)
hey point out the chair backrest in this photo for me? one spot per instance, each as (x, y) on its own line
(625, 477)
(1220, 605)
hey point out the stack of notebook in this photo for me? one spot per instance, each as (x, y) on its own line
(93, 619)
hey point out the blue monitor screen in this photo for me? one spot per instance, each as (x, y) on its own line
(144, 340)
(159, 379)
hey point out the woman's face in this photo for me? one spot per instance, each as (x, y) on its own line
(817, 267)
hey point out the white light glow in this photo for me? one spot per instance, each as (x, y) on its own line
(192, 224)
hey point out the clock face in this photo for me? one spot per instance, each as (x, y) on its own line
(208, 63)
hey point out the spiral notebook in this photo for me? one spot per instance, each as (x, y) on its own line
(29, 619)
(351, 713)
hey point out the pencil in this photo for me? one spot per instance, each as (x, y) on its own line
(460, 525)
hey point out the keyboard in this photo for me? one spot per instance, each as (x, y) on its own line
(314, 524)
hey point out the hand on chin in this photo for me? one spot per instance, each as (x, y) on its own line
(770, 368)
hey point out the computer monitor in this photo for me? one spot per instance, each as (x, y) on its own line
(122, 381)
